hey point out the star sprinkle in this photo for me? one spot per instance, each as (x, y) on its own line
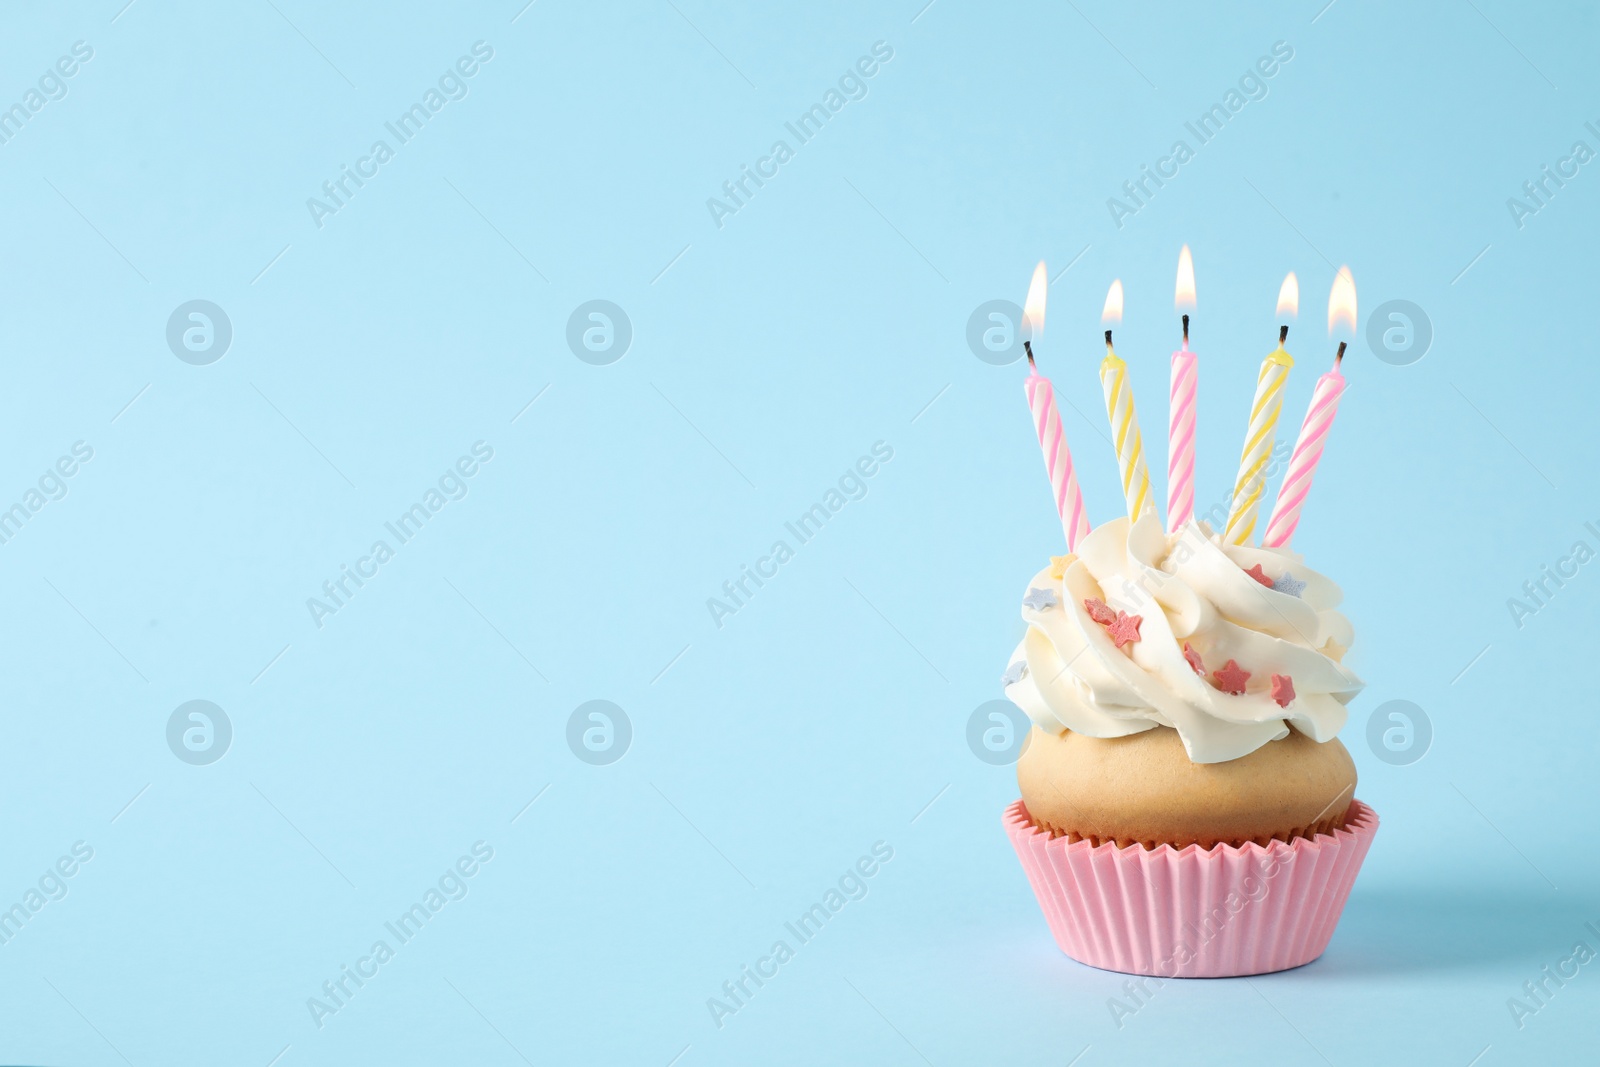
(1039, 599)
(1098, 611)
(1288, 583)
(1282, 689)
(1194, 660)
(1124, 629)
(1059, 565)
(1014, 674)
(1255, 572)
(1231, 679)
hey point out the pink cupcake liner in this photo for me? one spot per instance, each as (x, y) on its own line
(1193, 912)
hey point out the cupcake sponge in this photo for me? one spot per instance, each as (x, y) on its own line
(1143, 789)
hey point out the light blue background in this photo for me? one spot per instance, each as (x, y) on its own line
(768, 354)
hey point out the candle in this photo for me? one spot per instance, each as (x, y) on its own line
(1182, 408)
(1307, 452)
(1119, 409)
(1261, 434)
(1319, 420)
(1047, 422)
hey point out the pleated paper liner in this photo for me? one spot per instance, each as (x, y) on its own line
(1193, 912)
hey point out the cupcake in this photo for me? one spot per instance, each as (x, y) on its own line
(1187, 809)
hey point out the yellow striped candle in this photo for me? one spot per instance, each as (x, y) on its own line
(1124, 422)
(1248, 488)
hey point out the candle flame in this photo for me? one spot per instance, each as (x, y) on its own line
(1033, 309)
(1342, 302)
(1289, 297)
(1183, 297)
(1113, 309)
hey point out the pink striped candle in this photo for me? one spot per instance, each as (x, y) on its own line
(1307, 453)
(1057, 457)
(1180, 434)
(1183, 406)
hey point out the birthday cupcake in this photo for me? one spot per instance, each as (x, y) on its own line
(1187, 809)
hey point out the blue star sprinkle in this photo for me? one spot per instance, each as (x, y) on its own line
(1287, 583)
(1014, 674)
(1039, 599)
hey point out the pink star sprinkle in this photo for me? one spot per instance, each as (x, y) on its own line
(1125, 628)
(1194, 660)
(1255, 572)
(1230, 679)
(1098, 611)
(1282, 689)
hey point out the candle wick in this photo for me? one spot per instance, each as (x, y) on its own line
(1338, 357)
(1283, 335)
(1108, 339)
(1186, 331)
(1027, 346)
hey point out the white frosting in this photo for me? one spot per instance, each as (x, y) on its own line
(1187, 587)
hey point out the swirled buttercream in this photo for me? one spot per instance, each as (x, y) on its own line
(1203, 608)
